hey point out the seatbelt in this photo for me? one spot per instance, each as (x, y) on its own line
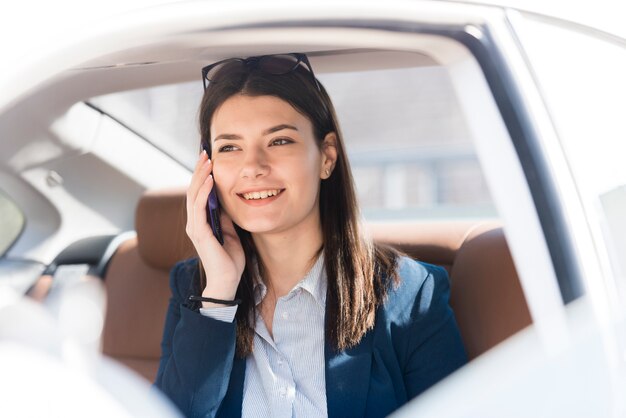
(100, 269)
(86, 257)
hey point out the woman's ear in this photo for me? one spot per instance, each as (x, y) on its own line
(329, 155)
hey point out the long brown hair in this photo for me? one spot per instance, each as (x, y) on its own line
(359, 272)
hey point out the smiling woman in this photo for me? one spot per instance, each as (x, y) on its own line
(297, 300)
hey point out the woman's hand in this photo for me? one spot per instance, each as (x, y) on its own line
(223, 265)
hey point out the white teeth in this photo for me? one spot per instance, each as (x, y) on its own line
(260, 195)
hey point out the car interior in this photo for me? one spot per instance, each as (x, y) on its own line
(486, 294)
(135, 272)
(469, 149)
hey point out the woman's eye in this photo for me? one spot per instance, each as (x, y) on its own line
(281, 141)
(227, 148)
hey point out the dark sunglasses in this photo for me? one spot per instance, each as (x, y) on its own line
(278, 64)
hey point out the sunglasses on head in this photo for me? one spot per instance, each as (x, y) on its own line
(277, 64)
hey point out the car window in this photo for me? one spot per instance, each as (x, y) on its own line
(405, 133)
(588, 114)
(11, 222)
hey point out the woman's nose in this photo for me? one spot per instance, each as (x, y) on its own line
(255, 164)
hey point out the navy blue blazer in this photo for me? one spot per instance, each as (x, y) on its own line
(415, 343)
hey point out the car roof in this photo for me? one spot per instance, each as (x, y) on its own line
(52, 17)
(601, 15)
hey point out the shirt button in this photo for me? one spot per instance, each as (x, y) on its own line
(283, 392)
(285, 315)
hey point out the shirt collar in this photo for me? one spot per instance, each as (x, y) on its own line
(314, 282)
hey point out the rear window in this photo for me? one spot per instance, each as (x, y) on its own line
(11, 222)
(406, 136)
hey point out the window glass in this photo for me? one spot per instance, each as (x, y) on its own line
(165, 115)
(11, 222)
(405, 133)
(409, 145)
(584, 89)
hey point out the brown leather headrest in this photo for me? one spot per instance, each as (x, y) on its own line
(160, 223)
(486, 293)
(433, 242)
(162, 241)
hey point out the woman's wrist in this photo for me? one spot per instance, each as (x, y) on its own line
(218, 293)
(225, 302)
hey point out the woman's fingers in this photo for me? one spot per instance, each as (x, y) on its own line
(223, 265)
(200, 174)
(199, 206)
(193, 184)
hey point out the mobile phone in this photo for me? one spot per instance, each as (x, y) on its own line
(213, 212)
(213, 215)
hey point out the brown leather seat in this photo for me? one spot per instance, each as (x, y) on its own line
(485, 292)
(137, 282)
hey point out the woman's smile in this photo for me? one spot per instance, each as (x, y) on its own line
(260, 197)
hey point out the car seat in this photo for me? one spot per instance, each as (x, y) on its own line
(486, 295)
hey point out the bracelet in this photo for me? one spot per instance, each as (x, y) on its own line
(212, 300)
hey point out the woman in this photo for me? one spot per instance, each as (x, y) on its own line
(303, 315)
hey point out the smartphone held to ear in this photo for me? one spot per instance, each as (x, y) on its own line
(213, 212)
(213, 215)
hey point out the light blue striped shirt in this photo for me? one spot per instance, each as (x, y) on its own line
(285, 375)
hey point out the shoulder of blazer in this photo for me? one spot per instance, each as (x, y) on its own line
(420, 284)
(181, 278)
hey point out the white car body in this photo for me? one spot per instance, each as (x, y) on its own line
(525, 117)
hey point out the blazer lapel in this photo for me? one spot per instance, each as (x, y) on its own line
(348, 379)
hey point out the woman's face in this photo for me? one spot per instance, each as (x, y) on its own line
(267, 165)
